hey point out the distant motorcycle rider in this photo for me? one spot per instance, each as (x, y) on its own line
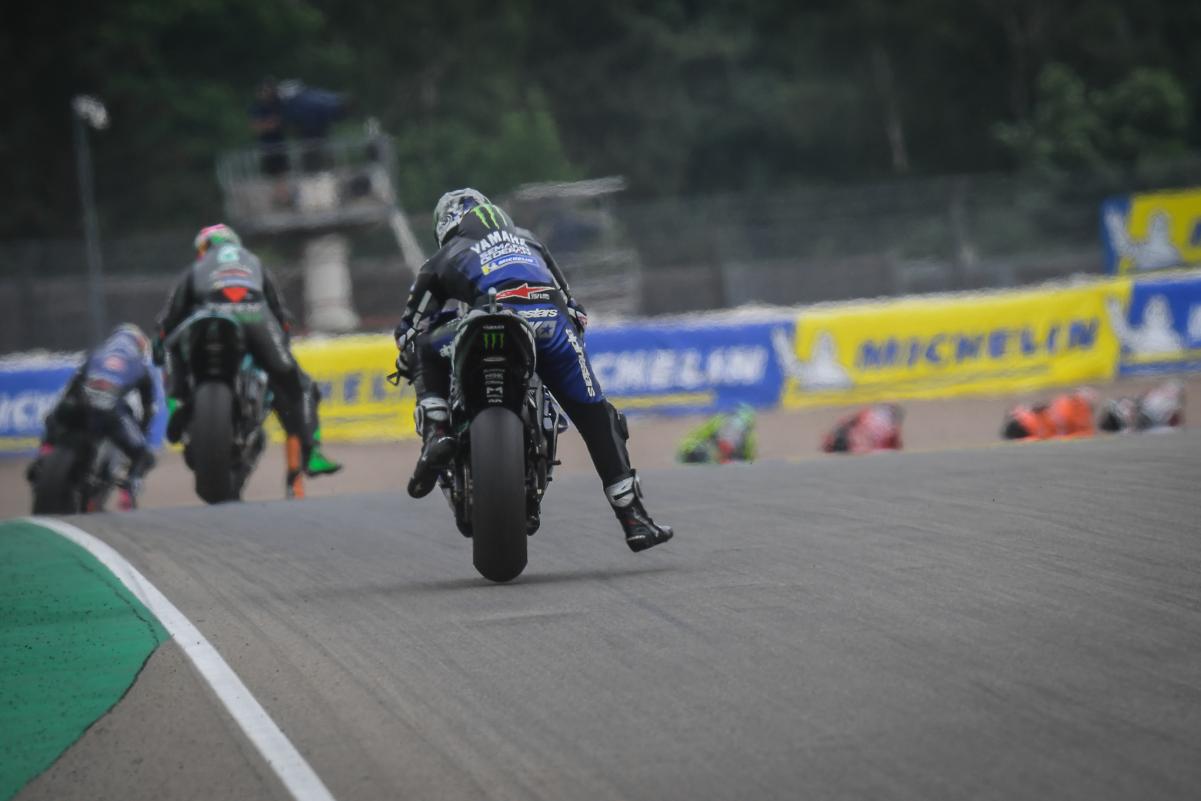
(97, 400)
(226, 275)
(481, 249)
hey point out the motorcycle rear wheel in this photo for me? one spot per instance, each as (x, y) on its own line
(211, 443)
(498, 519)
(55, 492)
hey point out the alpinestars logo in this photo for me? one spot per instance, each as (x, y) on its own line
(525, 292)
(582, 358)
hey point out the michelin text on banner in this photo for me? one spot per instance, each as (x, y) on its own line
(954, 345)
(675, 368)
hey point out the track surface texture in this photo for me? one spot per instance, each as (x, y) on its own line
(1020, 621)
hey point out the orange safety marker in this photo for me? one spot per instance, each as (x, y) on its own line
(294, 480)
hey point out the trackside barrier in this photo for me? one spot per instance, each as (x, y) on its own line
(646, 367)
(686, 368)
(933, 346)
(28, 391)
(357, 402)
(1160, 326)
(942, 346)
(1153, 231)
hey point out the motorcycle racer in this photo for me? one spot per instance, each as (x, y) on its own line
(227, 275)
(97, 400)
(481, 250)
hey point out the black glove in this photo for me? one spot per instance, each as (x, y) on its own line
(403, 369)
(405, 333)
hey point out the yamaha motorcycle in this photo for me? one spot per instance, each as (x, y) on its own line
(230, 402)
(77, 475)
(507, 426)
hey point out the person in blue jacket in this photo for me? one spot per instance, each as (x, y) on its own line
(111, 395)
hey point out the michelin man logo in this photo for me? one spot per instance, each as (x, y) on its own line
(1156, 336)
(822, 371)
(1153, 253)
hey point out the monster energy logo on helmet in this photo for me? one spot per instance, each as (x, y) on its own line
(457, 204)
(494, 340)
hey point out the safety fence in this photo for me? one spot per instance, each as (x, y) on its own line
(916, 347)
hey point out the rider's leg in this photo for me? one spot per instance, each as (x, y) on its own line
(564, 366)
(319, 464)
(176, 391)
(118, 424)
(431, 382)
(293, 404)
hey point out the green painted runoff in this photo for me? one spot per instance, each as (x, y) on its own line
(72, 640)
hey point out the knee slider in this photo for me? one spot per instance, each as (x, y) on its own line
(433, 409)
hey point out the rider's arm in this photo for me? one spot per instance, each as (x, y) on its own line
(575, 307)
(145, 389)
(179, 303)
(275, 301)
(551, 264)
(425, 298)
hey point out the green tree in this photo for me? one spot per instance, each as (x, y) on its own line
(1144, 116)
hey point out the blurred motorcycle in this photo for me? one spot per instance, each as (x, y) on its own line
(77, 475)
(231, 400)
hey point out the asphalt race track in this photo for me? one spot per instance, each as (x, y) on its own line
(1020, 621)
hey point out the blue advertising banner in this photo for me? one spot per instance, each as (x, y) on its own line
(26, 396)
(29, 391)
(1160, 328)
(674, 368)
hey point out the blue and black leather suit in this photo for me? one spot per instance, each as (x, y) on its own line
(487, 251)
(96, 399)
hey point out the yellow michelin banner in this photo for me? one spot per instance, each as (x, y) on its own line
(1154, 231)
(357, 402)
(954, 345)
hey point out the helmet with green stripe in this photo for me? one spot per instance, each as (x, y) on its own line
(213, 235)
(457, 204)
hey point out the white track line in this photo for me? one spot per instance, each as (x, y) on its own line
(274, 746)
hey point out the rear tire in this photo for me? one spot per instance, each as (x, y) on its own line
(55, 492)
(498, 494)
(211, 442)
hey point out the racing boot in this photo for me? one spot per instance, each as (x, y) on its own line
(625, 496)
(130, 487)
(433, 420)
(319, 464)
(180, 413)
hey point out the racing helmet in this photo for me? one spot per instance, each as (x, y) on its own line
(451, 209)
(137, 335)
(219, 234)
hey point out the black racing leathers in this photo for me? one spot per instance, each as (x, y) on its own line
(233, 279)
(460, 272)
(444, 277)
